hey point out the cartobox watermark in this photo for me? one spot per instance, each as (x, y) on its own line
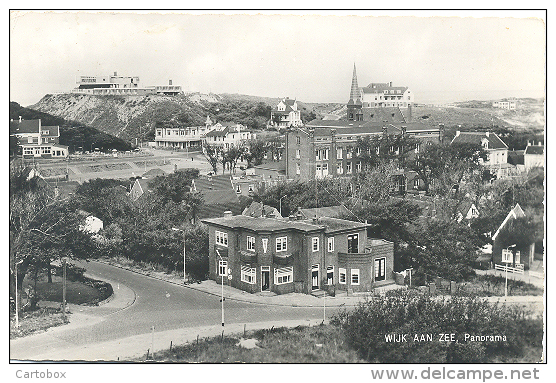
(21, 374)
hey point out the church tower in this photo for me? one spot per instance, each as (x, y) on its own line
(354, 105)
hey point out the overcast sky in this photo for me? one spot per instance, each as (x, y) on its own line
(452, 56)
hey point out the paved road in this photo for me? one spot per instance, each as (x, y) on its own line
(165, 306)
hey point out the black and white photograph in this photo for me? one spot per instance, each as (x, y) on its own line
(278, 187)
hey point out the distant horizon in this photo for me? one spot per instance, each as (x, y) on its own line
(442, 56)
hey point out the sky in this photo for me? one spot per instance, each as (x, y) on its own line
(441, 56)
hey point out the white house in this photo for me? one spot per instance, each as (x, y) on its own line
(286, 114)
(533, 156)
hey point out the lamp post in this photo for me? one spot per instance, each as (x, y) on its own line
(281, 203)
(507, 261)
(222, 287)
(184, 257)
(16, 297)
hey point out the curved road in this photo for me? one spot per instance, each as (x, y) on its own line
(165, 306)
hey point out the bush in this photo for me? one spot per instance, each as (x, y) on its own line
(369, 325)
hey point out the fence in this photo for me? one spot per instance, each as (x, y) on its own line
(517, 270)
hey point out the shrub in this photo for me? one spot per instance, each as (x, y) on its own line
(367, 327)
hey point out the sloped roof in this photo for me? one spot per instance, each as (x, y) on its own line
(53, 131)
(218, 182)
(217, 133)
(27, 126)
(381, 87)
(494, 142)
(272, 165)
(383, 114)
(516, 212)
(535, 149)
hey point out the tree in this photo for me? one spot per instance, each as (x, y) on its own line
(256, 150)
(231, 156)
(212, 154)
(106, 199)
(175, 186)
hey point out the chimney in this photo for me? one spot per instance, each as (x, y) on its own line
(457, 133)
(540, 143)
(19, 118)
(228, 214)
(390, 84)
(169, 82)
(409, 112)
(115, 74)
(487, 134)
(528, 143)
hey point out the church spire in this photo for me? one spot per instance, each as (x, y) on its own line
(354, 104)
(354, 94)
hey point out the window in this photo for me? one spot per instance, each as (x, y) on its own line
(348, 167)
(238, 189)
(358, 166)
(250, 243)
(297, 169)
(339, 153)
(342, 276)
(251, 188)
(358, 151)
(380, 272)
(354, 276)
(330, 244)
(297, 153)
(249, 275)
(29, 140)
(221, 238)
(46, 132)
(324, 170)
(282, 244)
(353, 243)
(339, 168)
(507, 256)
(315, 244)
(330, 275)
(222, 268)
(27, 151)
(283, 275)
(348, 153)
(298, 140)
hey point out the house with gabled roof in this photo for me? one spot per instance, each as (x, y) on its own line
(228, 134)
(285, 114)
(496, 149)
(260, 254)
(533, 156)
(520, 257)
(139, 188)
(37, 140)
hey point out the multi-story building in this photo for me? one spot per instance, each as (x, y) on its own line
(505, 104)
(258, 254)
(377, 95)
(37, 140)
(182, 137)
(328, 148)
(121, 85)
(286, 114)
(496, 149)
(228, 134)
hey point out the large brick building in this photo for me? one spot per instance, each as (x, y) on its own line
(327, 148)
(257, 254)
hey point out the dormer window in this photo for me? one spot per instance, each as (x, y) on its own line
(46, 132)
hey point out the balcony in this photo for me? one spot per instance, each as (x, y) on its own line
(247, 257)
(284, 260)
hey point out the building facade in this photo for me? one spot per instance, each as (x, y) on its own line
(258, 254)
(37, 140)
(497, 150)
(533, 156)
(121, 85)
(327, 148)
(226, 135)
(505, 104)
(285, 114)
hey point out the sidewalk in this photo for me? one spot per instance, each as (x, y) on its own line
(231, 293)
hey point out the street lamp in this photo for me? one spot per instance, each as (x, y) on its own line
(184, 258)
(222, 287)
(285, 195)
(16, 297)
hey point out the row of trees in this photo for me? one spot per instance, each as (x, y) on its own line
(252, 151)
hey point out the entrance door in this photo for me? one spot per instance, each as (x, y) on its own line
(265, 278)
(330, 275)
(315, 277)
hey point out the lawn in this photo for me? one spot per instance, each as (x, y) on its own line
(76, 292)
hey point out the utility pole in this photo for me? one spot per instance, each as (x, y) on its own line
(64, 289)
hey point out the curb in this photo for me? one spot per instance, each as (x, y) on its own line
(227, 297)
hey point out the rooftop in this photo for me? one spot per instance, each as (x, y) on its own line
(494, 142)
